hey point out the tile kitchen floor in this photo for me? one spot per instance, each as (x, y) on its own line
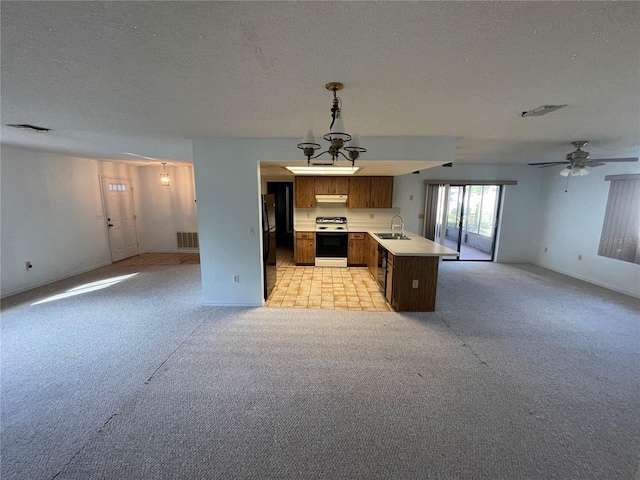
(350, 288)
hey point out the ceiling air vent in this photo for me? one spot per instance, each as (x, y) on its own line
(542, 110)
(28, 126)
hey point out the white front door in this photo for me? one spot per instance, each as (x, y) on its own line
(118, 205)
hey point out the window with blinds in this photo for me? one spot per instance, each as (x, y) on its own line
(621, 229)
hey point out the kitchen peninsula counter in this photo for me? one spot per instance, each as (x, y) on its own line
(416, 246)
(409, 275)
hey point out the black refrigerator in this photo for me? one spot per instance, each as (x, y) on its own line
(268, 243)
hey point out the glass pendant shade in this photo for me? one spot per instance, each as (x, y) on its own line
(309, 141)
(565, 171)
(165, 181)
(355, 145)
(338, 131)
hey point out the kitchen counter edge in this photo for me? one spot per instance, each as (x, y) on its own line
(416, 247)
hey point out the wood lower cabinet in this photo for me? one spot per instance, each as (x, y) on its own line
(305, 249)
(413, 283)
(389, 281)
(371, 255)
(355, 254)
(305, 195)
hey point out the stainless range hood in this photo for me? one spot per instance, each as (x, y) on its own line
(331, 198)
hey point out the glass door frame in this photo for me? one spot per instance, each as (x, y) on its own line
(441, 223)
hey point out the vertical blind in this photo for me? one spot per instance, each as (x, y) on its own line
(621, 228)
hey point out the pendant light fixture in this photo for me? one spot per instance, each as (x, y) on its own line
(338, 137)
(165, 181)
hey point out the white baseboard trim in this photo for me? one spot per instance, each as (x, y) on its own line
(222, 304)
(47, 282)
(170, 250)
(588, 280)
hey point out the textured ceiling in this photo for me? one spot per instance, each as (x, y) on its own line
(119, 78)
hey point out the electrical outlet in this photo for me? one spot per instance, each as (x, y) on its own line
(28, 265)
(545, 249)
(308, 215)
(415, 284)
(252, 231)
(579, 256)
(410, 197)
(372, 215)
(236, 278)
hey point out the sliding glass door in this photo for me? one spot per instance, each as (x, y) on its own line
(465, 219)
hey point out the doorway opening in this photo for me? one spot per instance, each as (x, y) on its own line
(283, 193)
(464, 218)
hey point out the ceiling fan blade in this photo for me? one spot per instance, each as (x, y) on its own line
(593, 163)
(548, 164)
(608, 160)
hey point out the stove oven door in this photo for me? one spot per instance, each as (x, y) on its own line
(332, 244)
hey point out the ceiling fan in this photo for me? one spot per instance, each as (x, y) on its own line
(578, 162)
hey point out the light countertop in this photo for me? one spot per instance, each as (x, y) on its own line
(416, 247)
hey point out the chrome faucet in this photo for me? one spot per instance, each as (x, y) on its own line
(394, 225)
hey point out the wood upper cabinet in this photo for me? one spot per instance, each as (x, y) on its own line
(381, 192)
(370, 192)
(305, 195)
(363, 192)
(332, 185)
(359, 192)
(305, 248)
(355, 253)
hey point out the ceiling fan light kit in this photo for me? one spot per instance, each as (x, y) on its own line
(578, 161)
(338, 137)
(575, 171)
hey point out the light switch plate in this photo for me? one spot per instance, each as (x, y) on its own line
(415, 284)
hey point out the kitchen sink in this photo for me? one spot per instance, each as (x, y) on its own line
(391, 236)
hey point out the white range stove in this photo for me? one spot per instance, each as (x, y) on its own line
(331, 224)
(332, 239)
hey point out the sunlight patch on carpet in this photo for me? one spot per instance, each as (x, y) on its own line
(86, 288)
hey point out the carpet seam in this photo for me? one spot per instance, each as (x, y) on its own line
(146, 382)
(465, 344)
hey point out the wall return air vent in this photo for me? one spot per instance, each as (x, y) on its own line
(188, 240)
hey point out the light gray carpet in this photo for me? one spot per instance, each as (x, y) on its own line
(521, 373)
